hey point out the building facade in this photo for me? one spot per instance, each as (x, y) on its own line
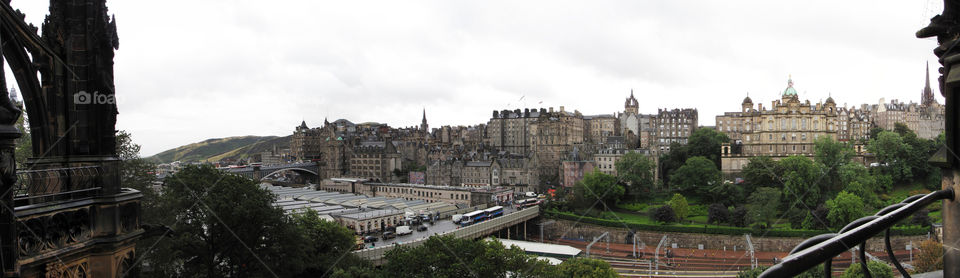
(673, 126)
(788, 127)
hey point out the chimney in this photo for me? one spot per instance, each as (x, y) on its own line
(551, 109)
(561, 109)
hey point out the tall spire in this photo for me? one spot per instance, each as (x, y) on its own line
(927, 98)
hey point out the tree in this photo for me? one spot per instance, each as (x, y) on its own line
(679, 205)
(138, 173)
(725, 192)
(672, 161)
(585, 267)
(762, 204)
(814, 272)
(831, 155)
(696, 176)
(24, 144)
(877, 270)
(717, 213)
(843, 209)
(921, 218)
(636, 171)
(706, 142)
(324, 243)
(664, 214)
(597, 186)
(930, 257)
(447, 256)
(762, 171)
(892, 153)
(226, 226)
(740, 217)
(817, 219)
(801, 182)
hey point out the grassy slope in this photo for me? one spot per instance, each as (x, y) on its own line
(220, 148)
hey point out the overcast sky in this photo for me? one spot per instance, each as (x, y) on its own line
(192, 70)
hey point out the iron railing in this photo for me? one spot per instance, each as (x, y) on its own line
(47, 185)
(822, 248)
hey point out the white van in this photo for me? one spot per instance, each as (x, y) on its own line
(404, 230)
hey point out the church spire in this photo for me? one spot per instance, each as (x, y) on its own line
(927, 98)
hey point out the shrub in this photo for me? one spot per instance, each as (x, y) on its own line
(877, 270)
(930, 257)
(717, 213)
(633, 206)
(739, 217)
(921, 218)
(664, 214)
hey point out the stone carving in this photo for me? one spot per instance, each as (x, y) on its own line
(51, 232)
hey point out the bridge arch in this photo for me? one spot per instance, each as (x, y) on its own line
(308, 174)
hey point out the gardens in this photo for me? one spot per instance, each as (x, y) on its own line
(794, 196)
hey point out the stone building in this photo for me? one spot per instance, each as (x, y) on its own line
(370, 221)
(672, 126)
(480, 173)
(636, 128)
(509, 130)
(788, 127)
(606, 159)
(375, 161)
(445, 172)
(600, 127)
(573, 168)
(518, 172)
(554, 135)
(470, 196)
(306, 142)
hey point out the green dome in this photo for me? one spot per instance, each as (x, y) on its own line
(790, 91)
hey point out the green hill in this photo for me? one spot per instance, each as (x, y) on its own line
(217, 149)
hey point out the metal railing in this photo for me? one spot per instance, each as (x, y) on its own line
(822, 248)
(47, 185)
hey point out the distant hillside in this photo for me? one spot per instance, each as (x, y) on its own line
(222, 148)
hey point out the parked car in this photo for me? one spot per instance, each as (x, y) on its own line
(369, 239)
(389, 235)
(421, 228)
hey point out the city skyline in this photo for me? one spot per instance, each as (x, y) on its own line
(263, 69)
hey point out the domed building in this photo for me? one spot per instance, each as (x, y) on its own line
(787, 127)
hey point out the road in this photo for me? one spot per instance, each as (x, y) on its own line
(438, 227)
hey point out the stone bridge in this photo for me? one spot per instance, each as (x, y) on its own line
(310, 170)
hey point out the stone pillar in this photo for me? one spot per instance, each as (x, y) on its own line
(9, 244)
(950, 85)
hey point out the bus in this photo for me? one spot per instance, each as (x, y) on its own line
(494, 212)
(473, 217)
(526, 203)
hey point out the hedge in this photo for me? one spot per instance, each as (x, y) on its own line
(906, 231)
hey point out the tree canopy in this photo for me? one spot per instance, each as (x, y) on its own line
(636, 171)
(446, 256)
(696, 176)
(597, 186)
(845, 208)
